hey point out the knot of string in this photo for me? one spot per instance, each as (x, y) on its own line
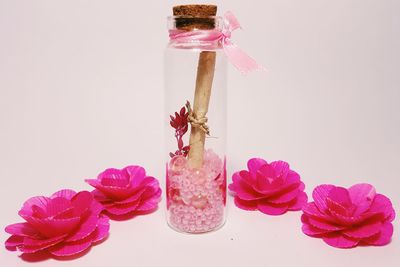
(196, 122)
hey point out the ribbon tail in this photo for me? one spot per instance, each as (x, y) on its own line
(233, 22)
(243, 62)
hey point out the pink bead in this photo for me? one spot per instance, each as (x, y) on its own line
(192, 188)
(185, 183)
(186, 199)
(199, 201)
(197, 205)
(177, 164)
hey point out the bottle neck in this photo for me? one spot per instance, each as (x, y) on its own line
(202, 33)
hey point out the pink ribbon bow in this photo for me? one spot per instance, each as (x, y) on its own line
(243, 62)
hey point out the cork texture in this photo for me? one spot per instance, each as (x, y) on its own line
(195, 10)
(195, 16)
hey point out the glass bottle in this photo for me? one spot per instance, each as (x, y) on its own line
(195, 122)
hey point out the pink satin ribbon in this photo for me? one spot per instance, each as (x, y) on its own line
(235, 55)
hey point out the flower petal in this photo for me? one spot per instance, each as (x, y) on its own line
(111, 173)
(149, 203)
(113, 192)
(21, 229)
(65, 214)
(232, 188)
(339, 201)
(132, 198)
(40, 242)
(254, 164)
(242, 188)
(243, 176)
(285, 197)
(324, 225)
(136, 174)
(73, 248)
(310, 230)
(292, 178)
(362, 196)
(99, 196)
(57, 205)
(298, 202)
(81, 202)
(382, 204)
(96, 208)
(363, 231)
(281, 168)
(245, 204)
(265, 179)
(40, 202)
(50, 227)
(351, 220)
(311, 209)
(302, 186)
(122, 209)
(31, 245)
(13, 242)
(106, 181)
(102, 229)
(340, 195)
(114, 177)
(383, 237)
(149, 181)
(70, 249)
(267, 172)
(65, 193)
(338, 240)
(36, 212)
(319, 194)
(271, 209)
(85, 229)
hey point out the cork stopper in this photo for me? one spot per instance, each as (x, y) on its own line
(191, 17)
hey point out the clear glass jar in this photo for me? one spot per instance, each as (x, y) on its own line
(195, 102)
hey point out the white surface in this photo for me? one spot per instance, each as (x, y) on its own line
(81, 90)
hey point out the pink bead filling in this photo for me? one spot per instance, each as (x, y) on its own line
(196, 197)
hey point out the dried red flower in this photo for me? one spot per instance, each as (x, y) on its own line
(181, 125)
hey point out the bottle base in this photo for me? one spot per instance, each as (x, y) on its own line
(196, 232)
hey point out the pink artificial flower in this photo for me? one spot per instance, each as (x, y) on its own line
(270, 188)
(64, 224)
(126, 191)
(345, 218)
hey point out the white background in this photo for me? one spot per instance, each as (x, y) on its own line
(81, 89)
